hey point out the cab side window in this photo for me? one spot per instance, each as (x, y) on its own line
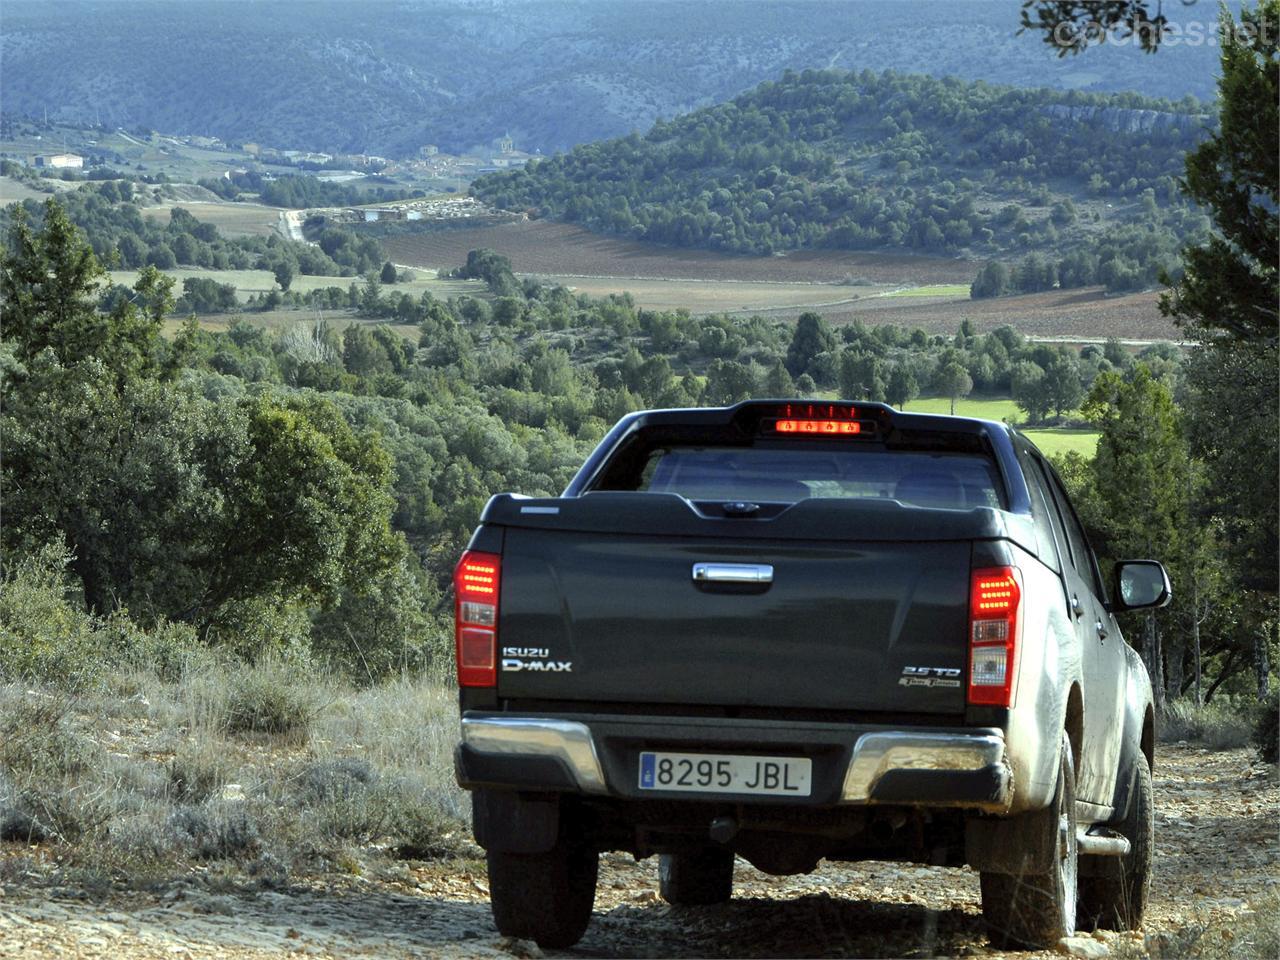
(1048, 533)
(1081, 554)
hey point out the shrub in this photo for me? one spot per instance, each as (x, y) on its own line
(217, 831)
(167, 650)
(262, 626)
(36, 741)
(1267, 730)
(272, 696)
(44, 765)
(424, 832)
(198, 773)
(47, 636)
(43, 634)
(1224, 723)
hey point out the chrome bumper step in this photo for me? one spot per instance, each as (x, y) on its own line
(1101, 842)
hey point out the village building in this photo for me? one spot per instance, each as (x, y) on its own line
(60, 161)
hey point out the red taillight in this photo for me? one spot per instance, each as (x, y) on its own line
(993, 634)
(477, 582)
(827, 427)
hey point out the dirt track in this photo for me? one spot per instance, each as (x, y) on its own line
(1217, 854)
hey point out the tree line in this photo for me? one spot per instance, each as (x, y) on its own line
(299, 191)
(123, 237)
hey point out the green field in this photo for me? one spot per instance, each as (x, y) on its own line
(13, 191)
(703, 297)
(249, 282)
(231, 219)
(932, 290)
(1051, 440)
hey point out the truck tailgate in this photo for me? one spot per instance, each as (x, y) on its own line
(875, 624)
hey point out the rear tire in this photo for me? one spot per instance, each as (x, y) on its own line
(1115, 897)
(696, 879)
(544, 897)
(1036, 910)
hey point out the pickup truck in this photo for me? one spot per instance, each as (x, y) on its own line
(788, 631)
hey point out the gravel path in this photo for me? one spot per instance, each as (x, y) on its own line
(1217, 854)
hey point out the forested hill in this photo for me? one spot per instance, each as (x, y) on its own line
(883, 160)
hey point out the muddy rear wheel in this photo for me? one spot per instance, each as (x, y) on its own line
(1036, 909)
(1114, 897)
(544, 897)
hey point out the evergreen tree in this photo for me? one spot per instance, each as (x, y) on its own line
(1142, 479)
(1228, 298)
(284, 272)
(811, 338)
(992, 281)
(1231, 285)
(1062, 387)
(778, 383)
(953, 381)
(903, 387)
(1030, 391)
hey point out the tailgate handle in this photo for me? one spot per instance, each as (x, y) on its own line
(733, 573)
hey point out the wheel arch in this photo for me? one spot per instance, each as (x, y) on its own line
(1073, 724)
(1137, 744)
(1148, 741)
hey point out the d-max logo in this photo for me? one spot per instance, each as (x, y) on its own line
(512, 665)
(929, 677)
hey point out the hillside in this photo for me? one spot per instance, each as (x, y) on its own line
(389, 78)
(865, 161)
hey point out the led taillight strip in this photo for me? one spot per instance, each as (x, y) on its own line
(822, 427)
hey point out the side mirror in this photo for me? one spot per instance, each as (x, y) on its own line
(1141, 585)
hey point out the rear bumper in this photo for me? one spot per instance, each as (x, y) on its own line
(598, 755)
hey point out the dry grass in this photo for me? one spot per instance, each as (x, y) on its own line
(1250, 935)
(260, 772)
(14, 191)
(1225, 723)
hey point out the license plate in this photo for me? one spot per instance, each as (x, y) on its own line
(720, 773)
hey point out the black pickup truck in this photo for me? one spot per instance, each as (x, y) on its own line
(789, 631)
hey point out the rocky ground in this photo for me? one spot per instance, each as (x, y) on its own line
(1217, 859)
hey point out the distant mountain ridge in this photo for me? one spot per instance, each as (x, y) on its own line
(387, 78)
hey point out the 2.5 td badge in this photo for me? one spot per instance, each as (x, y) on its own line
(929, 677)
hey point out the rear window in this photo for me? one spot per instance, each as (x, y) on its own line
(957, 481)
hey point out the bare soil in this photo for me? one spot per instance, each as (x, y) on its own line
(540, 247)
(840, 285)
(1088, 312)
(1217, 856)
